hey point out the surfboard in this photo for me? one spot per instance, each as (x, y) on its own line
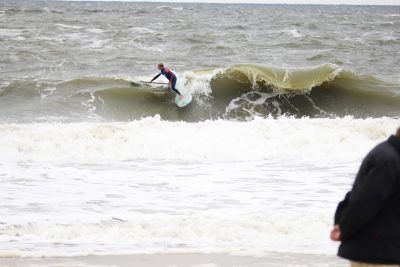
(187, 98)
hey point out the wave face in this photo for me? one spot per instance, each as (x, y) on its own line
(323, 91)
(238, 92)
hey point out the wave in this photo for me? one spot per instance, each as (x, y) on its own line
(114, 155)
(139, 233)
(29, 9)
(238, 92)
(325, 139)
(246, 91)
(323, 91)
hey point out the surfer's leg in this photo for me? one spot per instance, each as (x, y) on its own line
(176, 91)
(173, 87)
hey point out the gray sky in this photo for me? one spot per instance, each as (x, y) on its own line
(334, 2)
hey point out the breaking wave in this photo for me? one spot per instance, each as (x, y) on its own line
(238, 92)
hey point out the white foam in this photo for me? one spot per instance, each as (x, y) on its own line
(47, 92)
(153, 186)
(161, 233)
(294, 32)
(198, 83)
(244, 208)
(10, 32)
(140, 30)
(95, 30)
(237, 104)
(188, 81)
(260, 139)
(91, 108)
(68, 26)
(180, 8)
(93, 43)
(392, 15)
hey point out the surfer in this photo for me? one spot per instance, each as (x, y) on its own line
(170, 76)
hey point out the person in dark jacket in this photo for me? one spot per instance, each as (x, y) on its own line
(367, 221)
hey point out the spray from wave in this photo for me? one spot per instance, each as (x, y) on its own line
(259, 139)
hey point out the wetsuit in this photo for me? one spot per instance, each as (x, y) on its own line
(169, 75)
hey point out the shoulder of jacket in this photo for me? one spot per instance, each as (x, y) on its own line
(385, 153)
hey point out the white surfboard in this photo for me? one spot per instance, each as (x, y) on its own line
(187, 98)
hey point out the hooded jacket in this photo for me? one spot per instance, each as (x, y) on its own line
(369, 216)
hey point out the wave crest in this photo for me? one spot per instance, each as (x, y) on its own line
(286, 80)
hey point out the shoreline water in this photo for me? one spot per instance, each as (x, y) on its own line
(182, 260)
(115, 188)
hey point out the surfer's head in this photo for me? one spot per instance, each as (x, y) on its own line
(160, 66)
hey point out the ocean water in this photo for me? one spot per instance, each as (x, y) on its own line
(287, 99)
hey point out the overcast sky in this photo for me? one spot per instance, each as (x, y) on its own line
(329, 2)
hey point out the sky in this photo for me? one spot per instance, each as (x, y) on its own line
(327, 2)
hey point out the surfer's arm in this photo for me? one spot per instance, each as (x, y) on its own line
(155, 77)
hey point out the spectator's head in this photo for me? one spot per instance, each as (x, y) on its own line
(160, 66)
